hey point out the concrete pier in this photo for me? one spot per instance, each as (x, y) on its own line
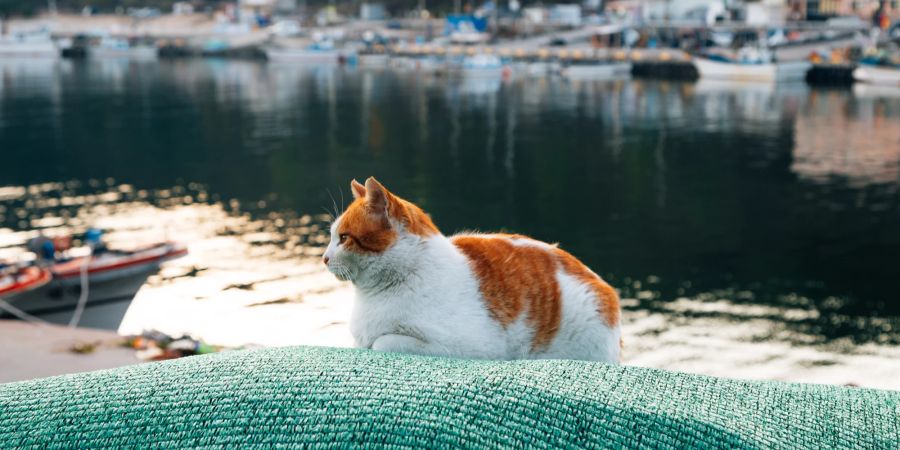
(36, 350)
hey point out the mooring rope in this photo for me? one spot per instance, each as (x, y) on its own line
(85, 287)
(22, 315)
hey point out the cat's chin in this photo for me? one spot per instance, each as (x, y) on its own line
(341, 277)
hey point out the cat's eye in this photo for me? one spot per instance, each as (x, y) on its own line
(342, 238)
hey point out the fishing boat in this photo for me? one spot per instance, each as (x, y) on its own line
(103, 283)
(879, 69)
(321, 51)
(114, 264)
(29, 44)
(750, 64)
(229, 40)
(16, 280)
(596, 70)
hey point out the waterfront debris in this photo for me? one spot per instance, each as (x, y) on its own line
(153, 345)
(85, 347)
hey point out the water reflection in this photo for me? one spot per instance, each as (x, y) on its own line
(866, 151)
(713, 203)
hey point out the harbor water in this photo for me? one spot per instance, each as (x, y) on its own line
(753, 230)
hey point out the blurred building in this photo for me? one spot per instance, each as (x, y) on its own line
(565, 15)
(705, 11)
(752, 11)
(825, 9)
(766, 12)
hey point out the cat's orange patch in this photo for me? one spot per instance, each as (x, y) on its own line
(515, 279)
(607, 297)
(411, 216)
(366, 231)
(414, 220)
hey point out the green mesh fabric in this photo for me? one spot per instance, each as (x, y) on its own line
(339, 398)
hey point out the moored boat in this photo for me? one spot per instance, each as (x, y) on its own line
(322, 51)
(884, 75)
(33, 44)
(750, 64)
(112, 264)
(785, 71)
(105, 282)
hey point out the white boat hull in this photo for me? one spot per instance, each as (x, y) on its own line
(597, 71)
(782, 71)
(29, 49)
(305, 56)
(884, 76)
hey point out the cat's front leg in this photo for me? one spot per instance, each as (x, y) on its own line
(401, 344)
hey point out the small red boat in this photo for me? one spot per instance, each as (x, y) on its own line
(23, 280)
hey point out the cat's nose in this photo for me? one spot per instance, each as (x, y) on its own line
(325, 260)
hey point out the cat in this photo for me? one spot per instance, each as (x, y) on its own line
(479, 296)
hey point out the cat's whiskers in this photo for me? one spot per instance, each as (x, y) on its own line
(331, 217)
(334, 204)
(341, 271)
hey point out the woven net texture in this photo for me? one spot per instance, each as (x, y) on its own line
(304, 397)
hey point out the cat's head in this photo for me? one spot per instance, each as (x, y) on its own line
(378, 235)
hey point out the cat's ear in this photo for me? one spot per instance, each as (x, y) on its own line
(376, 196)
(359, 191)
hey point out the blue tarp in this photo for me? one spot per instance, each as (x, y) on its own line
(465, 23)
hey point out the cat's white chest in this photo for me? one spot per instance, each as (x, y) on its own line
(440, 306)
(373, 317)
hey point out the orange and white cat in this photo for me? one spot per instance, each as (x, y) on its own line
(488, 296)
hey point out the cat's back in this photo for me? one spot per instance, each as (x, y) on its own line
(525, 281)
